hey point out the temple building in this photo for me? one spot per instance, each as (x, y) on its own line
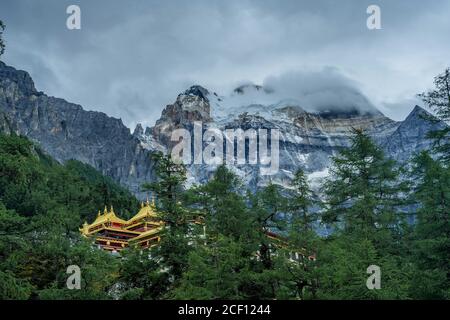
(113, 233)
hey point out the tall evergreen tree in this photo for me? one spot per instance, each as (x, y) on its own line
(140, 276)
(300, 206)
(173, 250)
(432, 229)
(12, 230)
(223, 205)
(302, 240)
(219, 270)
(363, 192)
(268, 208)
(361, 199)
(431, 193)
(233, 260)
(438, 100)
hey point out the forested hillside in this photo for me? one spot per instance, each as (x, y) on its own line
(42, 205)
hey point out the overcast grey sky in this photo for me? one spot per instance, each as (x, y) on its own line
(131, 58)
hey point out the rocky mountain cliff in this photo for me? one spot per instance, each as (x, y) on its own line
(66, 131)
(410, 136)
(307, 139)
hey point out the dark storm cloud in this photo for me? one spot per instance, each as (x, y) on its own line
(131, 58)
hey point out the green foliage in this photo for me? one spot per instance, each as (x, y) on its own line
(140, 276)
(173, 250)
(300, 204)
(83, 188)
(363, 198)
(12, 288)
(31, 183)
(431, 237)
(233, 258)
(217, 271)
(221, 203)
(342, 263)
(300, 269)
(99, 270)
(42, 204)
(438, 100)
(363, 193)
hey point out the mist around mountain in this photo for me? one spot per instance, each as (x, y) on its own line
(312, 129)
(308, 137)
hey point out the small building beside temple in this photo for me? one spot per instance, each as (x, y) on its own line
(113, 233)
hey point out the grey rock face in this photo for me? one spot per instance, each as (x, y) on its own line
(411, 135)
(7, 126)
(307, 140)
(66, 131)
(192, 105)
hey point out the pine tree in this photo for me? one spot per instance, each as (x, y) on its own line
(12, 229)
(268, 208)
(362, 196)
(234, 258)
(218, 270)
(431, 194)
(300, 206)
(221, 255)
(223, 206)
(363, 192)
(432, 228)
(173, 250)
(139, 275)
(438, 100)
(342, 262)
(302, 240)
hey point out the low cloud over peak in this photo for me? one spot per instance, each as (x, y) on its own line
(130, 61)
(321, 90)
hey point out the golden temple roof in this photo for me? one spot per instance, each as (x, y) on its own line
(106, 217)
(147, 210)
(147, 233)
(145, 223)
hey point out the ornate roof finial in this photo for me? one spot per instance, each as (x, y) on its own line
(146, 202)
(142, 204)
(99, 213)
(153, 199)
(106, 210)
(112, 209)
